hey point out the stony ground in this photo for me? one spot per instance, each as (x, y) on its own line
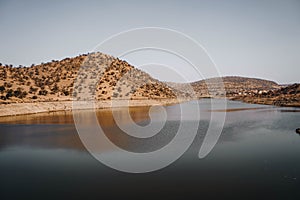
(96, 76)
(100, 77)
(285, 96)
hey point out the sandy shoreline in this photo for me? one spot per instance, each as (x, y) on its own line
(15, 109)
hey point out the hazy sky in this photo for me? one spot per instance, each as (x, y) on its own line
(249, 38)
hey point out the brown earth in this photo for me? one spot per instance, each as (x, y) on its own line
(249, 90)
(285, 96)
(103, 78)
(97, 75)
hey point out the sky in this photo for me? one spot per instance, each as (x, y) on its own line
(258, 38)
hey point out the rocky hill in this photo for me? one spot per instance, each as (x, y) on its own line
(97, 76)
(54, 81)
(229, 86)
(232, 86)
(285, 96)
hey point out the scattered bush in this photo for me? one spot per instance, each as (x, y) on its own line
(8, 85)
(43, 92)
(9, 93)
(66, 92)
(2, 88)
(17, 93)
(23, 95)
(32, 89)
(55, 88)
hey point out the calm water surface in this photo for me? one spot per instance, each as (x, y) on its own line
(257, 156)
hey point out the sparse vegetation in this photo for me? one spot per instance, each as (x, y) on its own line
(54, 81)
(2, 89)
(43, 92)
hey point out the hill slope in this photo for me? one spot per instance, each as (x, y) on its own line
(99, 76)
(233, 86)
(54, 81)
(228, 86)
(285, 96)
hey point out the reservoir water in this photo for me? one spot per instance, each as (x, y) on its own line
(256, 156)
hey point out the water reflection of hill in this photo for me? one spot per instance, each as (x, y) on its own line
(57, 130)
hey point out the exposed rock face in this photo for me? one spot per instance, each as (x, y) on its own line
(54, 81)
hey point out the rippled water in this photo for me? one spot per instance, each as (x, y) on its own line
(257, 156)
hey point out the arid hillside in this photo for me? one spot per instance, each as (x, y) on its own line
(229, 86)
(97, 76)
(285, 96)
(233, 86)
(54, 81)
